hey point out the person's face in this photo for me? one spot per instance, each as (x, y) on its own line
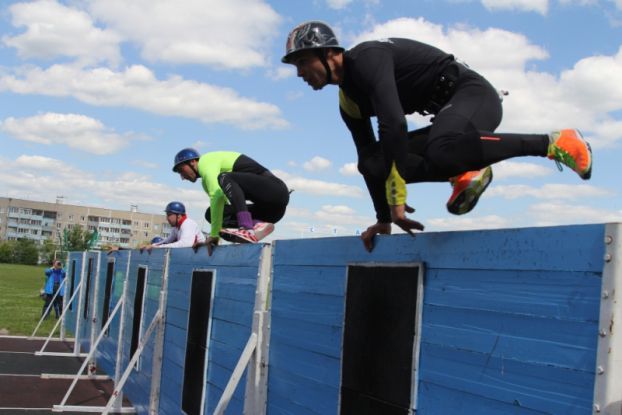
(186, 172)
(57, 265)
(309, 67)
(171, 218)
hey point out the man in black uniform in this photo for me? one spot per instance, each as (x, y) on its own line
(392, 77)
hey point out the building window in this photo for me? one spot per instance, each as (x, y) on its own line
(82, 218)
(146, 225)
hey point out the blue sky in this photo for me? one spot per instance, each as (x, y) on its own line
(98, 96)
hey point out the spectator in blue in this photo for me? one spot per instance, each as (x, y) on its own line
(54, 276)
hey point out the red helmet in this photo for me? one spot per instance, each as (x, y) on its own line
(310, 35)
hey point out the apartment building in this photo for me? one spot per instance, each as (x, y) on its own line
(39, 221)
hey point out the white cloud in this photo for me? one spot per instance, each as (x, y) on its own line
(54, 30)
(587, 96)
(481, 49)
(46, 177)
(468, 222)
(318, 187)
(547, 214)
(538, 6)
(222, 33)
(514, 169)
(548, 191)
(137, 87)
(282, 72)
(317, 163)
(349, 169)
(73, 130)
(338, 4)
(146, 164)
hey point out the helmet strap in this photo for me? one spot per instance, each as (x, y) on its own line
(322, 55)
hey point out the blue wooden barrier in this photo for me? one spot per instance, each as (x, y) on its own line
(235, 270)
(510, 319)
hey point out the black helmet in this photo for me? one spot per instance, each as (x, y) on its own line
(310, 35)
(175, 207)
(184, 155)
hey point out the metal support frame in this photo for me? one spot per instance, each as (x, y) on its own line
(76, 335)
(47, 310)
(158, 352)
(64, 316)
(130, 366)
(93, 316)
(255, 353)
(607, 391)
(41, 352)
(62, 406)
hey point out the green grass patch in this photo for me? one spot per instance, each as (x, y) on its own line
(20, 304)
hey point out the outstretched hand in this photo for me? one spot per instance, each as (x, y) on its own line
(377, 228)
(398, 216)
(210, 243)
(147, 248)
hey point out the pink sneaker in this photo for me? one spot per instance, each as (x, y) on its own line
(263, 229)
(239, 235)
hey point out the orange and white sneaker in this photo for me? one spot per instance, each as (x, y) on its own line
(468, 187)
(568, 147)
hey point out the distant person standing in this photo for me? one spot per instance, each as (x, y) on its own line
(54, 277)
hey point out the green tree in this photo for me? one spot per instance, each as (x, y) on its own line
(7, 252)
(26, 252)
(78, 239)
(47, 251)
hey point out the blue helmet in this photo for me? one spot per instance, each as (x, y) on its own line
(175, 207)
(185, 155)
(156, 240)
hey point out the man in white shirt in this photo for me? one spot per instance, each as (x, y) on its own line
(186, 232)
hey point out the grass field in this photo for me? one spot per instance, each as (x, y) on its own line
(20, 304)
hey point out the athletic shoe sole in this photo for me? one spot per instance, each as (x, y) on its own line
(470, 195)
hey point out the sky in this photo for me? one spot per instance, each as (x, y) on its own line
(97, 97)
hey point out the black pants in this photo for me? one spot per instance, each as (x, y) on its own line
(461, 137)
(251, 182)
(58, 303)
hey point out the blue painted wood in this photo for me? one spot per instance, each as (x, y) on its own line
(306, 364)
(292, 391)
(569, 248)
(313, 308)
(538, 387)
(71, 317)
(312, 337)
(226, 255)
(318, 279)
(568, 295)
(545, 340)
(510, 316)
(438, 399)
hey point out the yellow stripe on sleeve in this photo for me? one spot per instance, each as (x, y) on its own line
(395, 187)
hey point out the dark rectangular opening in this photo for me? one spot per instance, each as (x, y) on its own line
(73, 282)
(379, 340)
(196, 343)
(138, 308)
(107, 292)
(87, 290)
